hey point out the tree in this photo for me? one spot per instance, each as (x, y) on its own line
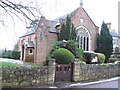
(73, 34)
(4, 53)
(15, 47)
(104, 42)
(67, 31)
(22, 10)
(33, 25)
(62, 31)
(67, 28)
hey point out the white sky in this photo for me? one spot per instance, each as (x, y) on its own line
(98, 10)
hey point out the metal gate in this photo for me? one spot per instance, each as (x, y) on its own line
(63, 72)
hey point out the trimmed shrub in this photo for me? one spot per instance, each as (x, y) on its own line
(101, 58)
(63, 56)
(72, 46)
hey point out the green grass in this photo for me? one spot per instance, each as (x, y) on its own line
(8, 64)
(32, 64)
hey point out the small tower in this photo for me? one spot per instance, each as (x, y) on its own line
(81, 4)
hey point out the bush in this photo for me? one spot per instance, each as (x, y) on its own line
(72, 46)
(116, 50)
(101, 58)
(82, 62)
(55, 46)
(15, 55)
(79, 53)
(9, 52)
(112, 60)
(87, 57)
(63, 56)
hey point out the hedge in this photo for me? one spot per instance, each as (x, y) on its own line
(63, 56)
(13, 54)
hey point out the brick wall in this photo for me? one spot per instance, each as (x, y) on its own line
(29, 57)
(32, 36)
(44, 41)
(87, 23)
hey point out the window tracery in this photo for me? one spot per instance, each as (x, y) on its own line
(83, 39)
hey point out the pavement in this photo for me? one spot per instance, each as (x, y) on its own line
(111, 84)
(103, 83)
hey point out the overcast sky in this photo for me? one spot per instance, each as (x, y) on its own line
(98, 10)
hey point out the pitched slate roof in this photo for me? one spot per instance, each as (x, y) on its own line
(49, 23)
(72, 13)
(52, 24)
(29, 44)
(28, 33)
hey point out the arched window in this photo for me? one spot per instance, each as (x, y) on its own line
(83, 36)
(84, 44)
(87, 43)
(78, 41)
(81, 42)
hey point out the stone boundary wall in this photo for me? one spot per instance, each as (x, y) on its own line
(95, 71)
(28, 76)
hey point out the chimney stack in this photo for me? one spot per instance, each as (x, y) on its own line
(108, 25)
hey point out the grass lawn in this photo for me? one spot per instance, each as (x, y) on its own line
(8, 64)
(32, 64)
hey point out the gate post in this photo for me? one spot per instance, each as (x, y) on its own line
(51, 71)
(76, 70)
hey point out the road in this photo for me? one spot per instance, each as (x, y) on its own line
(109, 84)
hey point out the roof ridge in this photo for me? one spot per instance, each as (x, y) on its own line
(28, 33)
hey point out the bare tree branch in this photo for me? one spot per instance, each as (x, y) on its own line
(26, 11)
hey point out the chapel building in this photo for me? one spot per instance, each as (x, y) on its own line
(47, 33)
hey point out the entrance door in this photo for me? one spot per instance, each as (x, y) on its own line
(23, 52)
(63, 72)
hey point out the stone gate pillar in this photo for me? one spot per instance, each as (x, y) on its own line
(76, 70)
(51, 71)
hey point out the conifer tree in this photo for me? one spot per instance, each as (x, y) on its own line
(67, 31)
(73, 33)
(62, 31)
(104, 42)
(67, 28)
